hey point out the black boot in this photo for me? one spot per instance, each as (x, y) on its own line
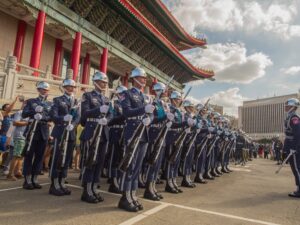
(208, 176)
(224, 170)
(186, 183)
(229, 170)
(219, 172)
(114, 187)
(135, 200)
(199, 179)
(63, 186)
(213, 173)
(87, 194)
(55, 188)
(170, 187)
(176, 186)
(295, 194)
(155, 191)
(126, 203)
(28, 183)
(97, 193)
(149, 192)
(35, 184)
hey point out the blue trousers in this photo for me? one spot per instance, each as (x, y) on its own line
(129, 179)
(188, 162)
(116, 153)
(200, 164)
(56, 172)
(36, 151)
(93, 174)
(295, 166)
(153, 170)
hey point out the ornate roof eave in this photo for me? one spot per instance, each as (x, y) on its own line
(138, 17)
(163, 12)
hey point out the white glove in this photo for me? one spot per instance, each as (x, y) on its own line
(170, 116)
(188, 130)
(219, 132)
(226, 139)
(104, 109)
(198, 131)
(70, 127)
(211, 129)
(38, 116)
(191, 122)
(103, 121)
(146, 121)
(292, 151)
(39, 109)
(169, 124)
(68, 118)
(149, 108)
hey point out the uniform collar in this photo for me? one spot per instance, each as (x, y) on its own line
(137, 90)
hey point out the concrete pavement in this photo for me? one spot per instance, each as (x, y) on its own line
(252, 194)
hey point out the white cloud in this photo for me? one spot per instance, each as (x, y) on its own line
(230, 99)
(230, 62)
(291, 71)
(229, 15)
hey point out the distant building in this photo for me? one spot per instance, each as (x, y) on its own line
(217, 108)
(263, 118)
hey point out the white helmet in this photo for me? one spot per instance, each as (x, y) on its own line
(100, 76)
(199, 106)
(137, 72)
(175, 94)
(43, 85)
(68, 82)
(187, 103)
(159, 87)
(292, 102)
(120, 89)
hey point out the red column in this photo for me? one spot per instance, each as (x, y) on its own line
(20, 39)
(103, 60)
(153, 83)
(57, 57)
(125, 80)
(76, 54)
(86, 69)
(37, 42)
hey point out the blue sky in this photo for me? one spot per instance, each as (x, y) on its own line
(254, 47)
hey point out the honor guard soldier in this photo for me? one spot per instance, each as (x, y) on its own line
(188, 154)
(134, 109)
(201, 144)
(171, 170)
(156, 135)
(116, 150)
(37, 134)
(64, 114)
(94, 109)
(292, 140)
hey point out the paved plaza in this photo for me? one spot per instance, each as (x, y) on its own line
(252, 194)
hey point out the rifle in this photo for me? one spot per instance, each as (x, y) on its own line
(212, 145)
(158, 145)
(292, 152)
(178, 146)
(190, 144)
(132, 148)
(202, 144)
(29, 137)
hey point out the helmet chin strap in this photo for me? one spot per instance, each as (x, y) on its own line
(98, 87)
(142, 85)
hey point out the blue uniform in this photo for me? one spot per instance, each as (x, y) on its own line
(90, 113)
(116, 152)
(133, 106)
(292, 142)
(171, 169)
(40, 137)
(154, 130)
(61, 107)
